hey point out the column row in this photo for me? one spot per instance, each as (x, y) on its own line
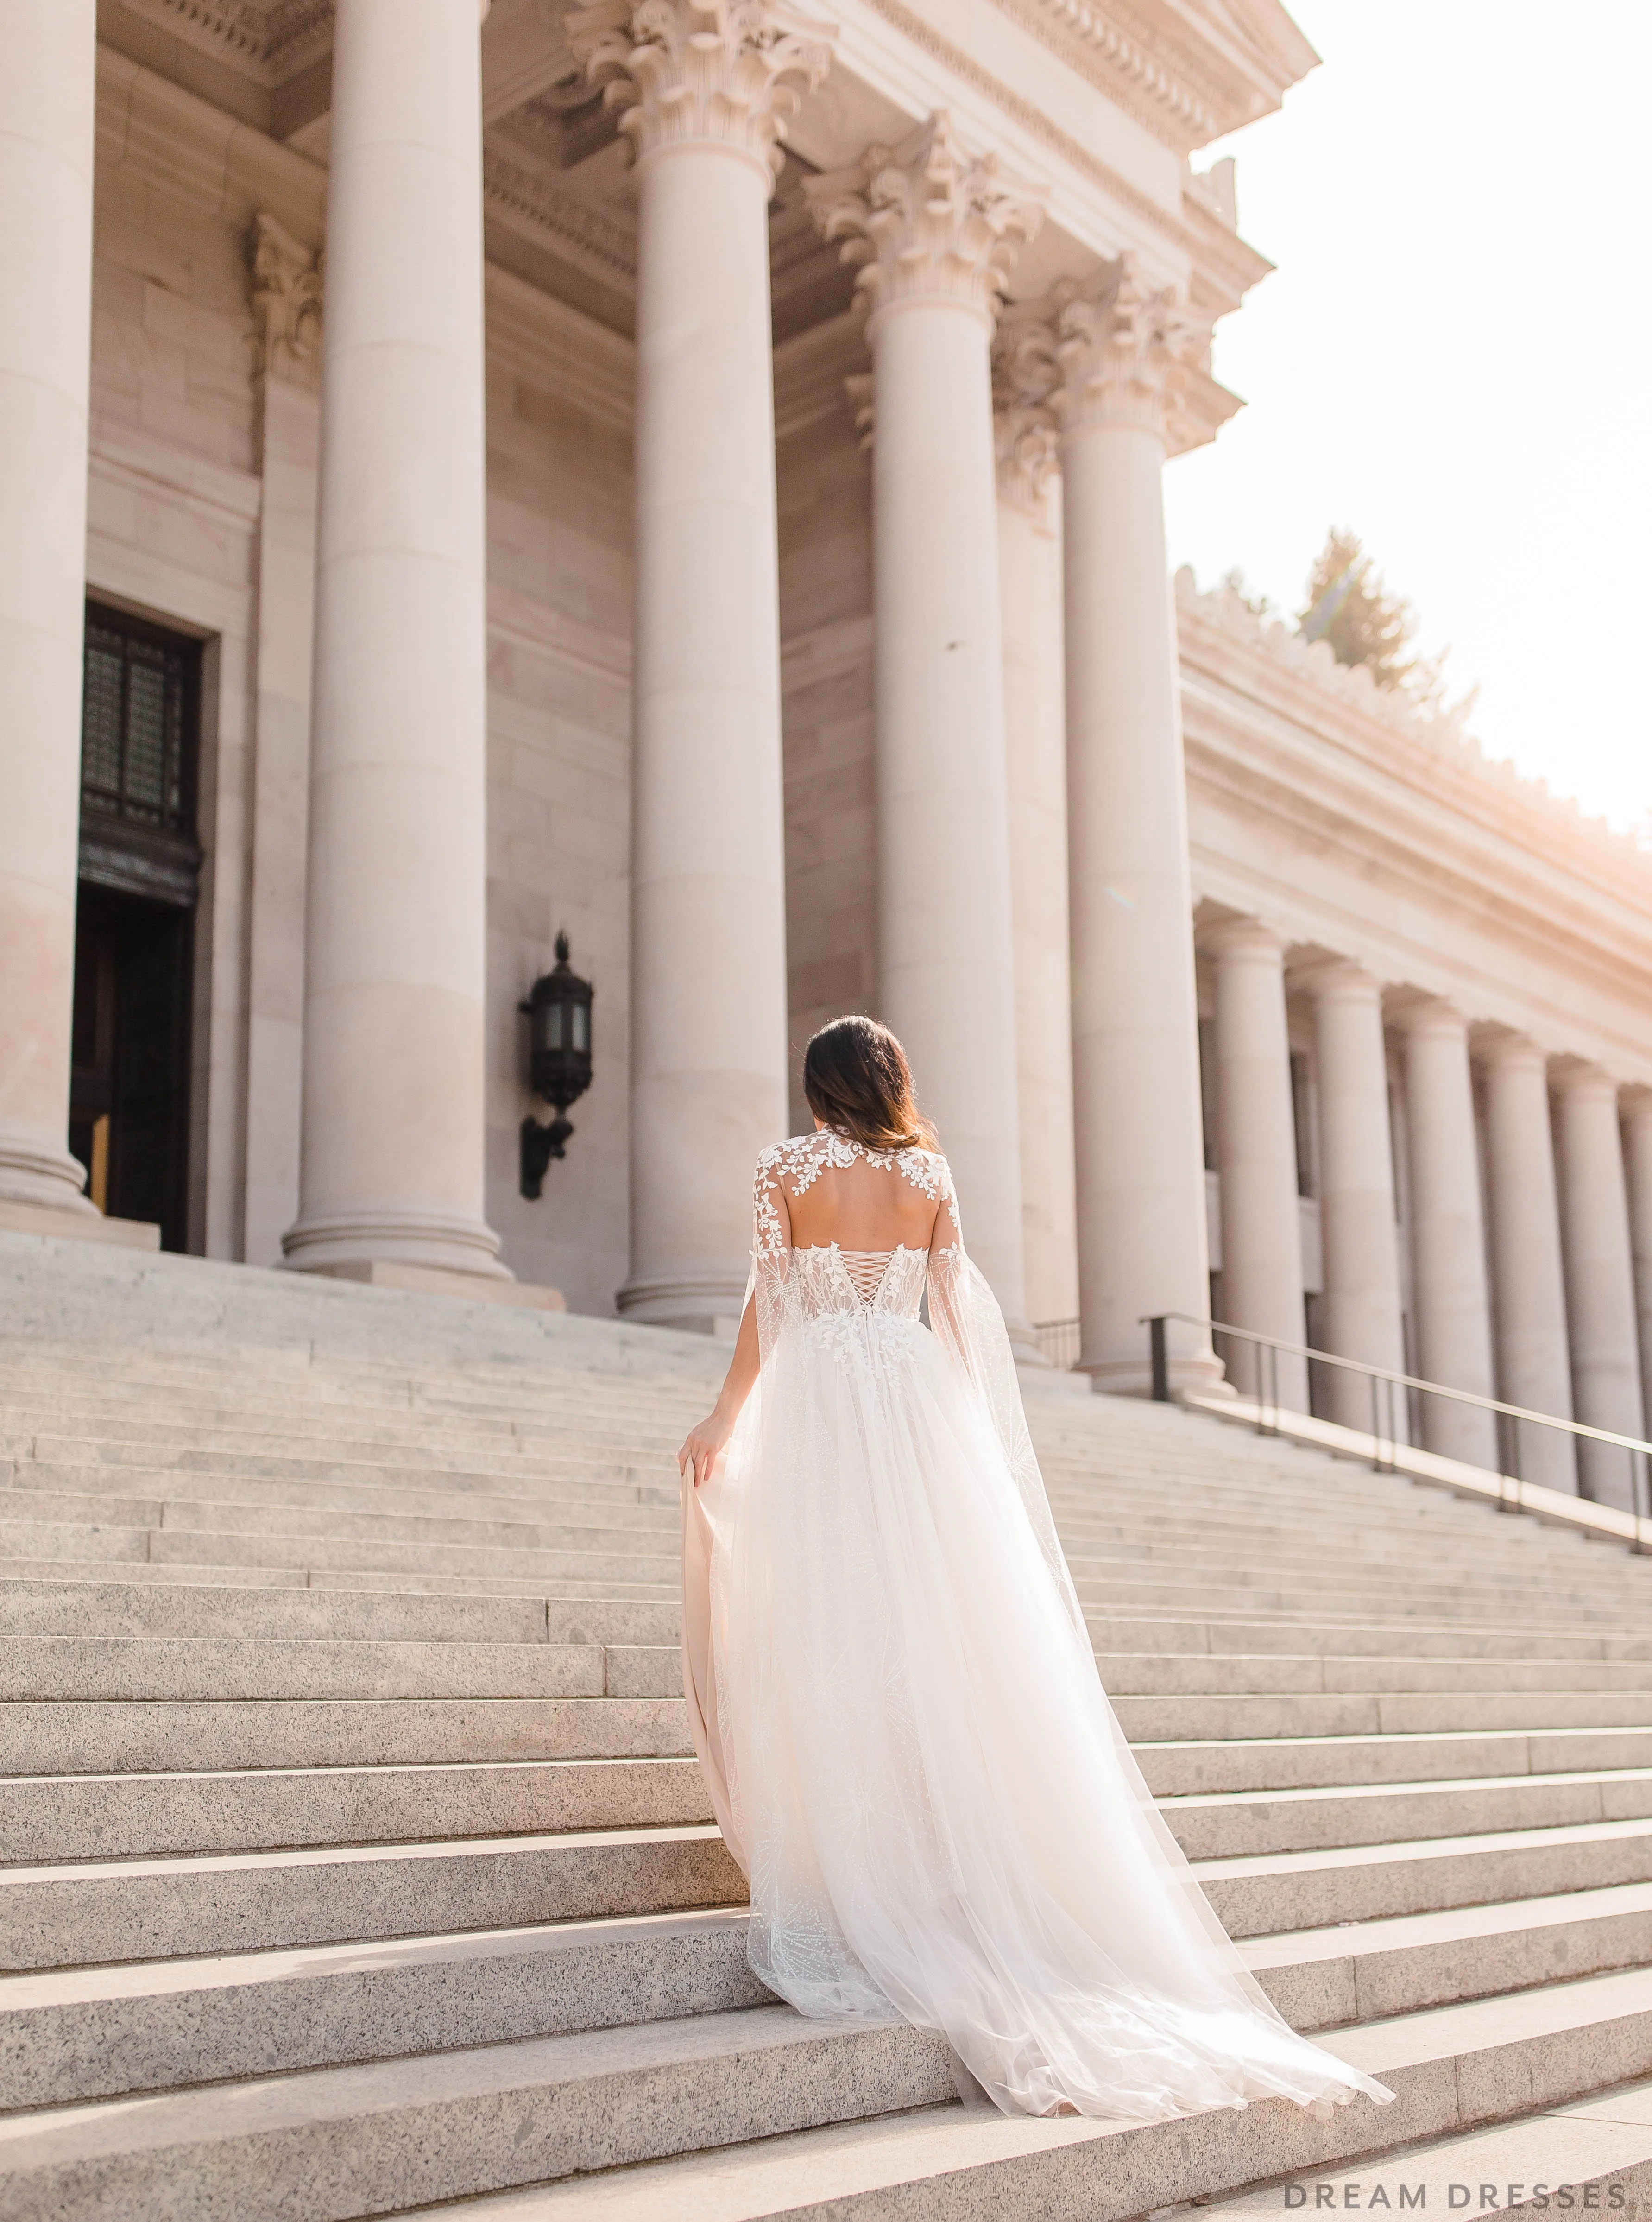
(1522, 1249)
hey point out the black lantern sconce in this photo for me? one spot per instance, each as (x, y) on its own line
(558, 1011)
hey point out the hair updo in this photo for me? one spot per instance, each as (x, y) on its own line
(856, 1078)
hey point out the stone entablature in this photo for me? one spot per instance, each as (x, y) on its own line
(1436, 777)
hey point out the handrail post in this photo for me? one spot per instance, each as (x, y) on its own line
(1160, 1358)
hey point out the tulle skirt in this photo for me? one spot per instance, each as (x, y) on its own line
(913, 1757)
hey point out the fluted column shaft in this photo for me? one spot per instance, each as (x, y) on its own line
(935, 227)
(704, 101)
(1261, 1217)
(48, 100)
(1533, 1362)
(1451, 1307)
(1359, 1307)
(1113, 359)
(395, 947)
(1599, 1277)
(1030, 569)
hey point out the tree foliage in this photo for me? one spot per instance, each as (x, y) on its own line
(1348, 604)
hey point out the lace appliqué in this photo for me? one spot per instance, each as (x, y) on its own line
(795, 1165)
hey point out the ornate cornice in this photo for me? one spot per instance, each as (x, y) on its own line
(268, 40)
(592, 240)
(724, 73)
(1112, 350)
(925, 221)
(1184, 80)
(286, 289)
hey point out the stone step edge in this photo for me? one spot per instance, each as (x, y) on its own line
(1450, 2069)
(297, 1978)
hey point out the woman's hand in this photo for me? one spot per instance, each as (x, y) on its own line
(703, 1446)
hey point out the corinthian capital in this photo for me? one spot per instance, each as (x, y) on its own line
(1026, 445)
(926, 221)
(721, 72)
(286, 284)
(1112, 350)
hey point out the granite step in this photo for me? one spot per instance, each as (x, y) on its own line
(1259, 1894)
(347, 2141)
(1192, 1767)
(90, 1912)
(77, 2034)
(134, 1816)
(1170, 1677)
(86, 2033)
(65, 1740)
(1225, 1824)
(1452, 2069)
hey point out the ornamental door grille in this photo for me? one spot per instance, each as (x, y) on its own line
(139, 873)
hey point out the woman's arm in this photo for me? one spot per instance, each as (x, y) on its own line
(703, 1446)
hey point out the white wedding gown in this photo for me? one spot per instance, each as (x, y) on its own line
(897, 1708)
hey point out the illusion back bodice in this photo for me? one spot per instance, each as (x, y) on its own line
(843, 1229)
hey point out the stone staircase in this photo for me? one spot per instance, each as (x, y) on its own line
(354, 1862)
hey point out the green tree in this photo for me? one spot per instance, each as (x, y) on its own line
(1349, 605)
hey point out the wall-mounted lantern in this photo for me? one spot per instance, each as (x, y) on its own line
(558, 1011)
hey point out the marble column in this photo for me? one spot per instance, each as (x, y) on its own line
(286, 310)
(1030, 573)
(1116, 361)
(1449, 1297)
(1599, 1277)
(1359, 1307)
(935, 229)
(706, 92)
(1637, 1165)
(392, 1125)
(48, 100)
(1533, 1360)
(1256, 1157)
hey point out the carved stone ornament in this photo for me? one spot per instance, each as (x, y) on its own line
(1026, 446)
(926, 221)
(286, 305)
(1110, 350)
(726, 71)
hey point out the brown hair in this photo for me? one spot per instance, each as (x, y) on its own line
(856, 1078)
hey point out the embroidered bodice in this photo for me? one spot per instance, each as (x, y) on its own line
(823, 1277)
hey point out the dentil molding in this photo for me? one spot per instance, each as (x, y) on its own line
(722, 72)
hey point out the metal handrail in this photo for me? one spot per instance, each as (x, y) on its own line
(1384, 1383)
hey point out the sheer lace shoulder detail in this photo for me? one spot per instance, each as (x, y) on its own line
(794, 1166)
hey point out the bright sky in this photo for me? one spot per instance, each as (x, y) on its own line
(1454, 359)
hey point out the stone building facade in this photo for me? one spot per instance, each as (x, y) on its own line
(714, 508)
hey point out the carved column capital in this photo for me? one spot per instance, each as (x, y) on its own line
(723, 73)
(1026, 445)
(286, 286)
(1110, 349)
(926, 221)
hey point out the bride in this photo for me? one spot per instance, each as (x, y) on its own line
(893, 1691)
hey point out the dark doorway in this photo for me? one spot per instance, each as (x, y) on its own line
(134, 934)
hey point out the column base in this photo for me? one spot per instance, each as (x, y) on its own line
(1128, 1376)
(438, 1281)
(349, 1242)
(709, 1303)
(33, 1172)
(71, 1225)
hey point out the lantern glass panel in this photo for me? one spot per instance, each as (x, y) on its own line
(580, 1013)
